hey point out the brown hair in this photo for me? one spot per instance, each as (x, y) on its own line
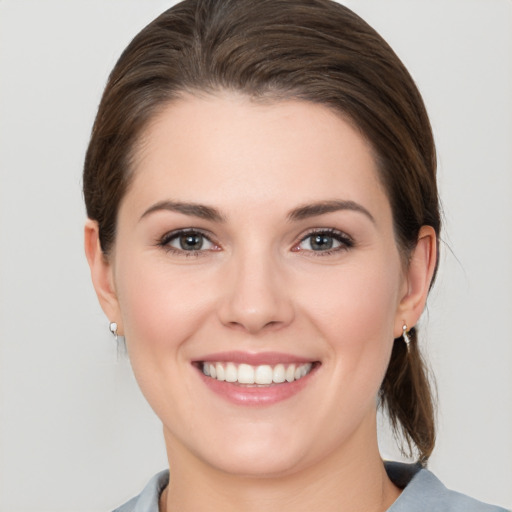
(314, 50)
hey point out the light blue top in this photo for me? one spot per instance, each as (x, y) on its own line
(423, 492)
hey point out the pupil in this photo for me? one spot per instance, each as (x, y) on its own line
(321, 242)
(191, 242)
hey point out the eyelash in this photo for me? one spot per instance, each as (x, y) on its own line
(346, 242)
(165, 241)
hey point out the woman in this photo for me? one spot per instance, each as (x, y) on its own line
(263, 231)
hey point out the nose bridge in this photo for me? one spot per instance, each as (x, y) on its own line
(256, 297)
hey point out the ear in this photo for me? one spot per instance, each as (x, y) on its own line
(418, 277)
(102, 273)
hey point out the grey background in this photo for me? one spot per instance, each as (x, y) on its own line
(75, 433)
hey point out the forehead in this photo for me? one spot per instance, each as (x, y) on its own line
(209, 148)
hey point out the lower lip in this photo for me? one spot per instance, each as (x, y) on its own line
(241, 394)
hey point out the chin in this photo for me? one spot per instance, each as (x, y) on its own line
(258, 462)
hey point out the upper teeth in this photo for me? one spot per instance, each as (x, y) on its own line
(263, 374)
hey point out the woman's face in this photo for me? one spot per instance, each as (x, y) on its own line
(255, 245)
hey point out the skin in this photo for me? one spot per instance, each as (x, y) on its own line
(258, 285)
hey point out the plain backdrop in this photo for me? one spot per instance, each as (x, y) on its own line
(75, 432)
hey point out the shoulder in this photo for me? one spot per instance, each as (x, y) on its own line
(424, 492)
(147, 500)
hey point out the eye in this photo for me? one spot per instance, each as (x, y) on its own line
(325, 241)
(189, 240)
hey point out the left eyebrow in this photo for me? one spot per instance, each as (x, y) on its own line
(322, 207)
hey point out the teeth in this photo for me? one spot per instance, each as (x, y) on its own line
(231, 373)
(221, 374)
(279, 374)
(245, 374)
(261, 375)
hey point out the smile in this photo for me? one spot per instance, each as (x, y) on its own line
(262, 375)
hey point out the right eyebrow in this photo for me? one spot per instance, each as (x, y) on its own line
(193, 209)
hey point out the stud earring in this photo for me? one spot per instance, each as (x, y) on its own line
(406, 337)
(113, 329)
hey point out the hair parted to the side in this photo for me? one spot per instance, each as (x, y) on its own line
(271, 50)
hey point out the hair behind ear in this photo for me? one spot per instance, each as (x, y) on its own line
(406, 395)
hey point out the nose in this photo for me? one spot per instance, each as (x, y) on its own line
(255, 298)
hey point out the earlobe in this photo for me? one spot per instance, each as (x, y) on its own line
(101, 272)
(419, 276)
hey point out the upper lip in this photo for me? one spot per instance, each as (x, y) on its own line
(254, 358)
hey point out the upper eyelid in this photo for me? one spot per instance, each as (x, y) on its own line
(329, 231)
(165, 240)
(346, 242)
(164, 243)
(336, 233)
(177, 232)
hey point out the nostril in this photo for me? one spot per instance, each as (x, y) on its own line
(254, 326)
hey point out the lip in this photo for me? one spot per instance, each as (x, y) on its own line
(253, 358)
(254, 395)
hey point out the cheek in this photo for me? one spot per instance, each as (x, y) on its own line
(161, 310)
(355, 312)
(160, 307)
(360, 298)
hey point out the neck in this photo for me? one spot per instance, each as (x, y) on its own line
(348, 480)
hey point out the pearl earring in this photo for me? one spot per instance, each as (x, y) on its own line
(113, 329)
(406, 337)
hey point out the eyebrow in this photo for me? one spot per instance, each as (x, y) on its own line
(314, 209)
(193, 209)
(302, 212)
